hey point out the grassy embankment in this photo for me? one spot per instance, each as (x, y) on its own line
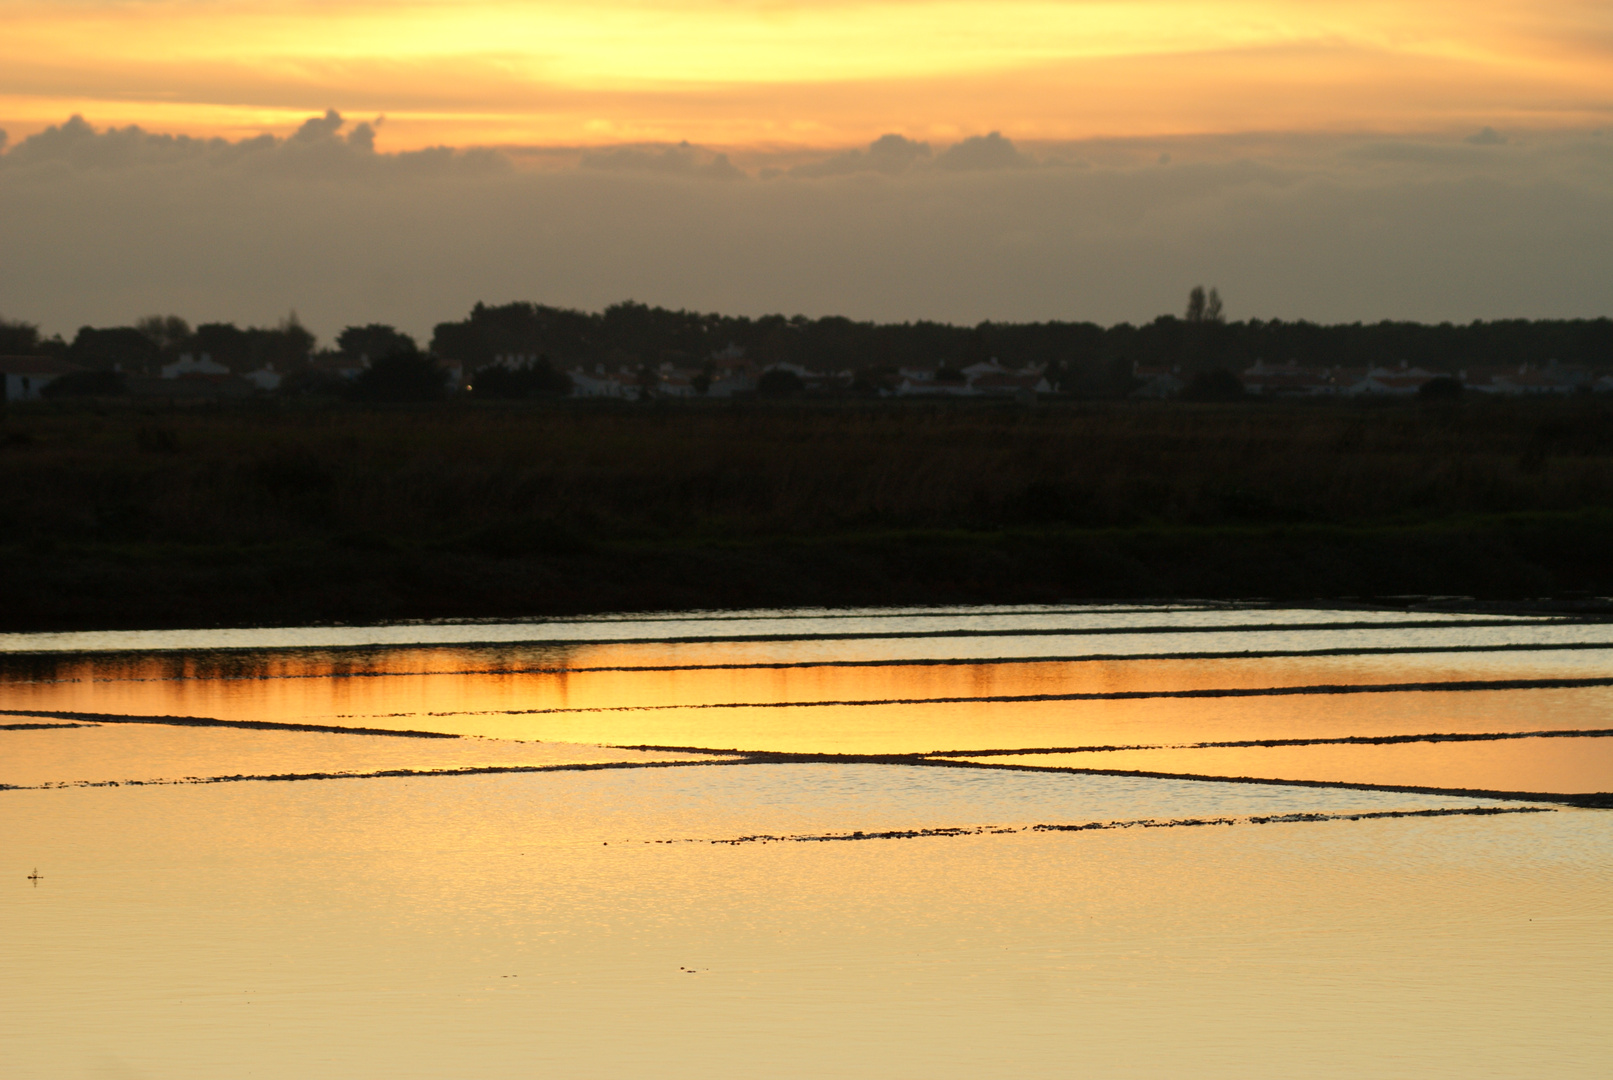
(115, 516)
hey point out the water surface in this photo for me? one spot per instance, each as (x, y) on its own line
(253, 861)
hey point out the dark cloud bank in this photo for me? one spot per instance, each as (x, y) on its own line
(100, 226)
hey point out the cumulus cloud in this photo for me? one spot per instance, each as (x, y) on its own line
(100, 227)
(887, 154)
(317, 148)
(319, 128)
(983, 152)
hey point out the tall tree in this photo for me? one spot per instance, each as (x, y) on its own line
(1195, 304)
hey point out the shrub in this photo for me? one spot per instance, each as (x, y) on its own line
(1217, 384)
(86, 384)
(403, 376)
(534, 379)
(779, 382)
(1444, 388)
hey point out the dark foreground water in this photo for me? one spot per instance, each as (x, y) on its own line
(987, 842)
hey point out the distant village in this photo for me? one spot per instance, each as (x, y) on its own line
(632, 352)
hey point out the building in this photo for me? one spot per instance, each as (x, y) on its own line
(26, 376)
(265, 378)
(600, 383)
(188, 364)
(1286, 380)
(936, 385)
(1020, 386)
(1157, 382)
(1554, 378)
(1402, 381)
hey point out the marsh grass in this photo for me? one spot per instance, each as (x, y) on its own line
(461, 509)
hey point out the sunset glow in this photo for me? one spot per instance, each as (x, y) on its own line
(837, 73)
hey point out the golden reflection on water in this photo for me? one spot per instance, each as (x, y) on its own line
(1559, 765)
(158, 752)
(583, 924)
(474, 692)
(486, 927)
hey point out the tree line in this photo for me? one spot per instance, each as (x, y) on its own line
(523, 348)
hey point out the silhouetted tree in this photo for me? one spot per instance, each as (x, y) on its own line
(86, 384)
(18, 338)
(1216, 384)
(374, 342)
(223, 343)
(1202, 308)
(118, 346)
(702, 381)
(287, 346)
(1443, 388)
(539, 378)
(1195, 304)
(402, 376)
(1081, 355)
(779, 382)
(313, 382)
(167, 332)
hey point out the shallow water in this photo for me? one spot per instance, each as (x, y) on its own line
(535, 897)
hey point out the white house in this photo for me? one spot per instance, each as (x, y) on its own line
(1554, 378)
(935, 388)
(734, 380)
(1269, 380)
(1021, 385)
(1157, 382)
(26, 376)
(265, 378)
(1403, 381)
(602, 383)
(193, 365)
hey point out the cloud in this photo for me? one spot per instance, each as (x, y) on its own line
(982, 152)
(1486, 136)
(319, 128)
(679, 160)
(317, 148)
(363, 137)
(749, 73)
(888, 154)
(102, 226)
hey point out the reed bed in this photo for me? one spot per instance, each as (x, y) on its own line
(475, 493)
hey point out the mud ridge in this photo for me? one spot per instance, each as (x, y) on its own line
(1345, 740)
(1098, 826)
(1589, 799)
(1455, 686)
(1595, 799)
(380, 774)
(40, 727)
(210, 722)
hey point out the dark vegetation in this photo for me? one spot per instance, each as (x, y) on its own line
(533, 345)
(286, 510)
(1080, 357)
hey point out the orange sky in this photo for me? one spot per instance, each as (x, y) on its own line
(740, 73)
